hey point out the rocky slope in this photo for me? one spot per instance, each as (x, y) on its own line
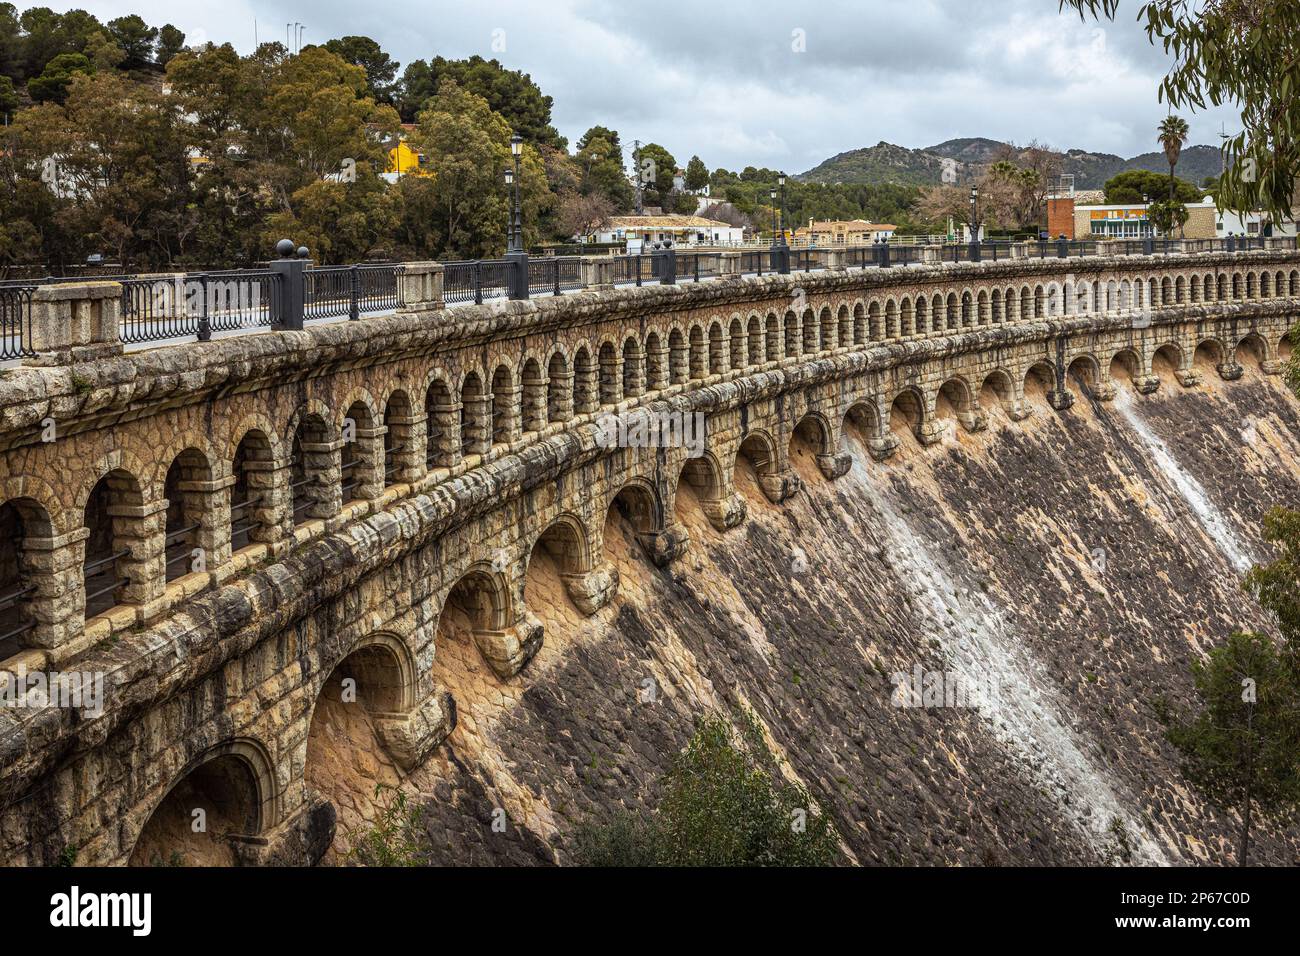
(1072, 563)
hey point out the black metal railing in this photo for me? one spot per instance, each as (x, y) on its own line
(553, 276)
(352, 291)
(157, 308)
(476, 280)
(16, 321)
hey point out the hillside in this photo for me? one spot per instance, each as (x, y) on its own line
(888, 163)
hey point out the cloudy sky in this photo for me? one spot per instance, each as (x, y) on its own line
(776, 83)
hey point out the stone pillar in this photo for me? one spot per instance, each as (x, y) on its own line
(53, 565)
(598, 273)
(320, 465)
(664, 547)
(367, 450)
(447, 450)
(420, 287)
(508, 650)
(212, 503)
(561, 410)
(476, 425)
(533, 409)
(272, 516)
(657, 367)
(728, 263)
(509, 431)
(779, 486)
(143, 529)
(634, 380)
(726, 512)
(411, 434)
(409, 738)
(75, 322)
(679, 361)
(586, 389)
(611, 380)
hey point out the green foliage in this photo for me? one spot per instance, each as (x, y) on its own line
(136, 39)
(1167, 215)
(381, 69)
(396, 838)
(1240, 54)
(724, 804)
(8, 96)
(170, 42)
(697, 174)
(1241, 745)
(511, 93)
(52, 85)
(1132, 185)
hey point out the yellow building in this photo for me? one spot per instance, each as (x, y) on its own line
(842, 232)
(403, 160)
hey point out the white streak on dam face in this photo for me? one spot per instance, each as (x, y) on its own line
(1020, 706)
(1214, 521)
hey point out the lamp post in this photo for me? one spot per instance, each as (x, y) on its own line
(510, 224)
(515, 254)
(780, 248)
(974, 224)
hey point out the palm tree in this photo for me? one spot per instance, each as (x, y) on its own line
(1172, 134)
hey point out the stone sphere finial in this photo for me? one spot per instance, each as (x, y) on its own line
(303, 252)
(284, 248)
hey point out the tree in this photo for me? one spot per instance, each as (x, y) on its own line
(1243, 54)
(339, 222)
(1240, 747)
(697, 174)
(8, 96)
(511, 93)
(937, 204)
(52, 85)
(724, 804)
(1172, 136)
(600, 157)
(655, 167)
(103, 52)
(579, 215)
(1132, 185)
(1167, 215)
(170, 42)
(136, 38)
(381, 69)
(467, 144)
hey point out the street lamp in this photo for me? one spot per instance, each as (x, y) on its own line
(510, 226)
(780, 181)
(515, 253)
(975, 223)
(771, 196)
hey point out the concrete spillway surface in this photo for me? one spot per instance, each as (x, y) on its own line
(1017, 702)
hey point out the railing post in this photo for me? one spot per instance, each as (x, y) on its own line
(354, 306)
(478, 282)
(75, 322)
(205, 319)
(293, 281)
(638, 269)
(1232, 244)
(557, 275)
(420, 287)
(518, 284)
(1062, 247)
(668, 267)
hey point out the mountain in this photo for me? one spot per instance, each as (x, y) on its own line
(888, 163)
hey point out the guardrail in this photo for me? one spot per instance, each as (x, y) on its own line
(159, 308)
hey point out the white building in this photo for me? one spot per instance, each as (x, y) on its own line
(1251, 224)
(680, 230)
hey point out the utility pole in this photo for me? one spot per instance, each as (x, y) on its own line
(636, 167)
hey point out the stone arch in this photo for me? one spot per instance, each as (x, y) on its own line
(401, 450)
(907, 413)
(1085, 372)
(1167, 359)
(315, 481)
(441, 424)
(956, 399)
(704, 476)
(190, 531)
(860, 331)
(253, 518)
(791, 329)
(967, 310)
(28, 585)
(982, 307)
(481, 603)
(638, 507)
(1040, 380)
(952, 312)
(891, 319)
(1125, 364)
(234, 785)
(699, 353)
(358, 469)
(123, 564)
(561, 558)
(998, 390)
(906, 318)
(922, 315)
(873, 321)
(1255, 346)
